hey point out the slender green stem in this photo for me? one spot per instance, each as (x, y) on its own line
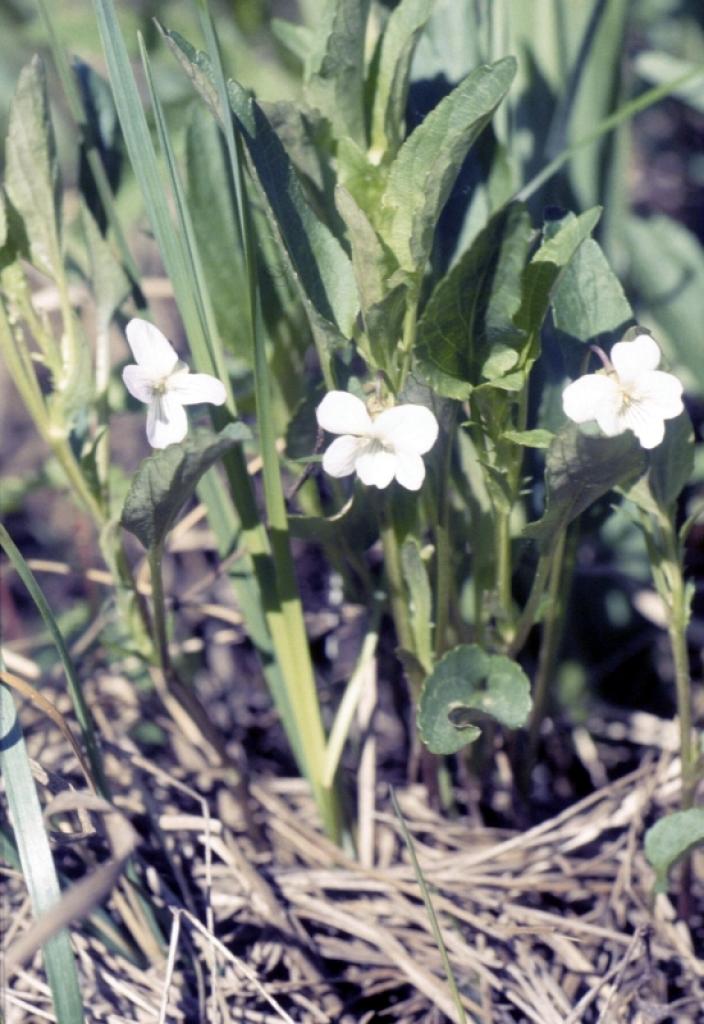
(504, 567)
(161, 640)
(552, 628)
(677, 633)
(680, 654)
(530, 611)
(409, 339)
(443, 573)
(398, 599)
(62, 450)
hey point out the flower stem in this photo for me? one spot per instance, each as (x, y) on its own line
(394, 577)
(528, 615)
(443, 574)
(677, 633)
(548, 644)
(161, 643)
(409, 339)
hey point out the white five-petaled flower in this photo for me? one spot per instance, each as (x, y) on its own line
(631, 395)
(380, 448)
(159, 378)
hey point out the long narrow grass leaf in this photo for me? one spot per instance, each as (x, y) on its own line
(253, 597)
(80, 707)
(624, 113)
(36, 860)
(434, 925)
(296, 665)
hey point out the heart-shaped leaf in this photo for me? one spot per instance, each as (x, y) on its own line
(579, 469)
(166, 480)
(671, 839)
(465, 685)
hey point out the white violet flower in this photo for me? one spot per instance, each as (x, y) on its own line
(380, 448)
(160, 379)
(631, 395)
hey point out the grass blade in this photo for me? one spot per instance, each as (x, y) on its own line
(435, 927)
(80, 707)
(624, 113)
(297, 669)
(36, 860)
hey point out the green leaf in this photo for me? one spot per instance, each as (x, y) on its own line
(667, 269)
(382, 304)
(37, 861)
(467, 334)
(672, 838)
(109, 282)
(469, 680)
(428, 162)
(80, 706)
(589, 299)
(580, 469)
(167, 479)
(401, 34)
(672, 462)
(214, 219)
(334, 72)
(530, 438)
(32, 171)
(592, 91)
(296, 38)
(319, 265)
(420, 601)
(543, 272)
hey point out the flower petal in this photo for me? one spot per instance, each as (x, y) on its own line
(407, 428)
(154, 353)
(410, 470)
(340, 458)
(166, 421)
(583, 397)
(630, 359)
(376, 468)
(193, 388)
(138, 382)
(646, 424)
(343, 413)
(662, 392)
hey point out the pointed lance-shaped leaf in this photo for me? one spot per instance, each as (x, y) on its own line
(334, 69)
(424, 171)
(32, 179)
(398, 44)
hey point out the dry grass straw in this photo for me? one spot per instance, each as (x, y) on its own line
(550, 925)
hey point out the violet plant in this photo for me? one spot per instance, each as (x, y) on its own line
(429, 365)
